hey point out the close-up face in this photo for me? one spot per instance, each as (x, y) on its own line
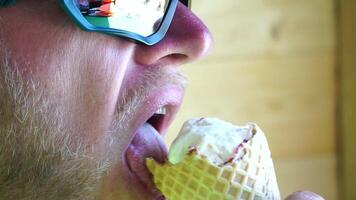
(80, 111)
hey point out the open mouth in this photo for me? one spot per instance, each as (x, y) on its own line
(158, 118)
(149, 125)
(148, 142)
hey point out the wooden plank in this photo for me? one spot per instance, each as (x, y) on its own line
(348, 100)
(314, 173)
(259, 29)
(289, 98)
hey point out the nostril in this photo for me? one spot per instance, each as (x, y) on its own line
(174, 58)
(177, 56)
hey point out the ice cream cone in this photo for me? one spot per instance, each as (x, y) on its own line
(195, 178)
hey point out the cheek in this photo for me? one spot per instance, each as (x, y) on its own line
(81, 71)
(27, 55)
(94, 78)
(29, 40)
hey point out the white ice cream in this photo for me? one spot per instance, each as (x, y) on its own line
(219, 141)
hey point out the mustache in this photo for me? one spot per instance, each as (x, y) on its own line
(148, 81)
(131, 98)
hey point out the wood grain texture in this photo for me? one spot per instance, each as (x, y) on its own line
(348, 101)
(273, 63)
(314, 173)
(260, 29)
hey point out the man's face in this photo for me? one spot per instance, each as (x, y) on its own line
(74, 105)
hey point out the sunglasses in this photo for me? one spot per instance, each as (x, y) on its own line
(145, 21)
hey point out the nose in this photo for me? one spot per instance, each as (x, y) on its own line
(186, 40)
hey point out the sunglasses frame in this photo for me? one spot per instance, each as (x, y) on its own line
(72, 10)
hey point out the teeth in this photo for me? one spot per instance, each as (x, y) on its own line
(161, 111)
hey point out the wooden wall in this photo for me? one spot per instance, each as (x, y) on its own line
(274, 64)
(348, 93)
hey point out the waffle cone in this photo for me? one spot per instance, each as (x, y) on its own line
(195, 178)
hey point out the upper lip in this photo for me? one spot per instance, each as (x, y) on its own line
(171, 98)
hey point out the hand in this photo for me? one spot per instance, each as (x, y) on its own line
(304, 195)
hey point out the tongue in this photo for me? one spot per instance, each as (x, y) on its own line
(146, 143)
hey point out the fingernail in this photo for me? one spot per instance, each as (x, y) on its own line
(304, 195)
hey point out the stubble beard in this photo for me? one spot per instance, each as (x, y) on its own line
(40, 154)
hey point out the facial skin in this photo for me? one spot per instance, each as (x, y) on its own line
(73, 103)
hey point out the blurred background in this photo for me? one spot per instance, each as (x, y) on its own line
(290, 67)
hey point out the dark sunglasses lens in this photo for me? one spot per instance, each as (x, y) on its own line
(142, 17)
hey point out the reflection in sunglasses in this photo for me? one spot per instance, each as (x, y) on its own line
(106, 8)
(96, 7)
(139, 16)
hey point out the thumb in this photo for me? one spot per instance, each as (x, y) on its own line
(304, 195)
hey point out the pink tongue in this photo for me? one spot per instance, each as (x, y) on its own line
(146, 143)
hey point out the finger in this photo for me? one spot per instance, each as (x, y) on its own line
(304, 195)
